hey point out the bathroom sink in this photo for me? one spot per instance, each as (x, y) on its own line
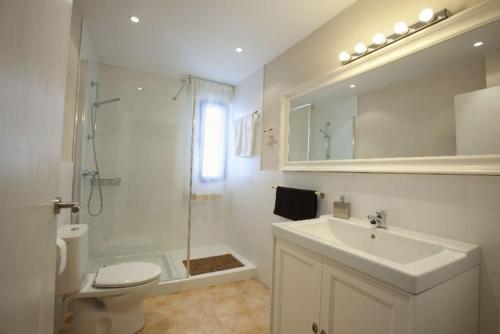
(411, 261)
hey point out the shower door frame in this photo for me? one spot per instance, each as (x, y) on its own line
(78, 139)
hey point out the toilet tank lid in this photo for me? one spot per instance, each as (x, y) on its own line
(126, 274)
(71, 233)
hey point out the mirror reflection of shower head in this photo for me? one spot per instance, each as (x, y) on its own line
(325, 131)
(100, 103)
(184, 83)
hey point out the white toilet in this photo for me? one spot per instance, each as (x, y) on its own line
(109, 301)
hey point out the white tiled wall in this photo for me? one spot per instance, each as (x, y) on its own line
(249, 197)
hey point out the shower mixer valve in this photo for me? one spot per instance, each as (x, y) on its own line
(86, 172)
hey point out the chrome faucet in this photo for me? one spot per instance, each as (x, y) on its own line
(380, 219)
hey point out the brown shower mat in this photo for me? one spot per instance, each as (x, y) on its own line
(213, 263)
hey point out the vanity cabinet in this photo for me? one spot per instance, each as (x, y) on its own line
(298, 290)
(313, 294)
(351, 305)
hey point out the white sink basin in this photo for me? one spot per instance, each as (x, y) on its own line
(411, 261)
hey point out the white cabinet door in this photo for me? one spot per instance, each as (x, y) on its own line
(296, 288)
(353, 305)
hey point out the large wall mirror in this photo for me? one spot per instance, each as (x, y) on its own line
(433, 110)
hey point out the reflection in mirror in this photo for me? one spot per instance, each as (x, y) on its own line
(442, 101)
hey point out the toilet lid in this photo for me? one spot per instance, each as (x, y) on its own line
(126, 274)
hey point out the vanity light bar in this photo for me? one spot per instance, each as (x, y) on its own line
(401, 30)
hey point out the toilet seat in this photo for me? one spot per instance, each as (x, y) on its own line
(126, 275)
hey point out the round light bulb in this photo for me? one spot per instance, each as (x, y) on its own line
(478, 44)
(379, 39)
(139, 88)
(239, 50)
(344, 56)
(135, 19)
(400, 28)
(426, 15)
(352, 86)
(360, 48)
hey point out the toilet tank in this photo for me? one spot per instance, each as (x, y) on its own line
(75, 272)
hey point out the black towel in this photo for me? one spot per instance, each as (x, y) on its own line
(295, 204)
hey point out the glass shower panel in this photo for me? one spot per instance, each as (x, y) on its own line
(142, 139)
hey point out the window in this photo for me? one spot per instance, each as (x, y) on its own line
(213, 128)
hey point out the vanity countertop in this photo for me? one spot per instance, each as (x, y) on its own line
(408, 260)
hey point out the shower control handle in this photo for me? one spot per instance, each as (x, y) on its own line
(90, 173)
(59, 204)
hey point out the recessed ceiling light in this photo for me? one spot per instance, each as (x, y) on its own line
(139, 88)
(478, 44)
(135, 19)
(352, 86)
(239, 50)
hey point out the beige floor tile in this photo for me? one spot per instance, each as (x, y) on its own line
(235, 308)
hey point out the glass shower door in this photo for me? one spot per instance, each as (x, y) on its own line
(135, 199)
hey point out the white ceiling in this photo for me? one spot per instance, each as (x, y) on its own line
(198, 37)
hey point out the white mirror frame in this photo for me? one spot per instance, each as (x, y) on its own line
(458, 24)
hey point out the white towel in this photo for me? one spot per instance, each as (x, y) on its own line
(243, 135)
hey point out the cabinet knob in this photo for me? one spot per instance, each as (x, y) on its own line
(323, 331)
(315, 327)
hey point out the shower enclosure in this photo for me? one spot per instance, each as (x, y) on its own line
(132, 167)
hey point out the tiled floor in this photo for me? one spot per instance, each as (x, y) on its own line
(234, 308)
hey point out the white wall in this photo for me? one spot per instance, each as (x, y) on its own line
(493, 69)
(87, 49)
(299, 141)
(249, 197)
(414, 118)
(477, 122)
